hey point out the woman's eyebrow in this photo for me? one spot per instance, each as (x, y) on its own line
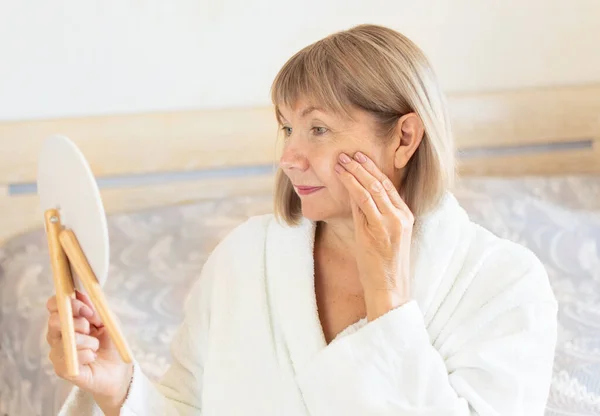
(304, 112)
(309, 110)
(280, 116)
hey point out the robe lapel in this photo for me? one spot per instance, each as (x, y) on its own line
(440, 244)
(290, 278)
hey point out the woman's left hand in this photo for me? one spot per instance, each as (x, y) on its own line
(383, 226)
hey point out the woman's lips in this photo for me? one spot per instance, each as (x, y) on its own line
(307, 190)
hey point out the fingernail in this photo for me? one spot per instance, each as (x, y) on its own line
(360, 157)
(344, 158)
(338, 168)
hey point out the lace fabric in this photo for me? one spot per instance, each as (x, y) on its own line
(157, 253)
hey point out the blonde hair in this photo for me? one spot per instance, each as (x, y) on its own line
(378, 70)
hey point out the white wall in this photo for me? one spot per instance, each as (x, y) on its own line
(77, 57)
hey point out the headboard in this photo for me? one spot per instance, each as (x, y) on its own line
(144, 160)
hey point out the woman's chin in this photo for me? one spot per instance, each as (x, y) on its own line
(314, 212)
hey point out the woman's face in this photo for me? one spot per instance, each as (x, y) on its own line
(314, 140)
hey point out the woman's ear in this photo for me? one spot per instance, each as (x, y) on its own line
(411, 130)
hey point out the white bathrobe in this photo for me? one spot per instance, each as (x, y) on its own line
(477, 338)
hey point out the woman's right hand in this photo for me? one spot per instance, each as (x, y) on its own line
(101, 370)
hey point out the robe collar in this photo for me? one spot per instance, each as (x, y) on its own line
(437, 253)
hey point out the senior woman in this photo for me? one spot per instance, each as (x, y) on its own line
(368, 292)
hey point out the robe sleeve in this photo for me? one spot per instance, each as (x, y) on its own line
(180, 390)
(493, 356)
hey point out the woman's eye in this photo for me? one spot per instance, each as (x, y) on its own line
(319, 131)
(287, 131)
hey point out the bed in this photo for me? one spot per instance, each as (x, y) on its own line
(529, 171)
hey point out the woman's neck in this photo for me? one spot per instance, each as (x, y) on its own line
(337, 235)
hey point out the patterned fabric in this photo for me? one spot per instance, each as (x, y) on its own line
(156, 254)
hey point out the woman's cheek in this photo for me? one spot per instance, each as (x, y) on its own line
(339, 190)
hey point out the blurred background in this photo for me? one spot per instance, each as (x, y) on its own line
(169, 102)
(68, 57)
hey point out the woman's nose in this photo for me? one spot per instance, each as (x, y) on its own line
(293, 158)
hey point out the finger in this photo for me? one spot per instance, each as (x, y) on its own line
(57, 358)
(82, 342)
(80, 325)
(54, 326)
(371, 183)
(53, 338)
(388, 186)
(359, 218)
(359, 195)
(53, 334)
(86, 342)
(51, 305)
(91, 313)
(79, 307)
(86, 357)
